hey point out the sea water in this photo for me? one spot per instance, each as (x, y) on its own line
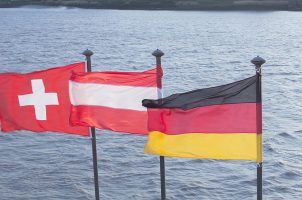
(202, 49)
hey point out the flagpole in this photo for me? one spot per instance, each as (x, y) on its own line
(258, 61)
(158, 54)
(88, 55)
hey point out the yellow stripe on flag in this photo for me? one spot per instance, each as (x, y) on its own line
(227, 146)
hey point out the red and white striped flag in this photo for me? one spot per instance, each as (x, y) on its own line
(113, 100)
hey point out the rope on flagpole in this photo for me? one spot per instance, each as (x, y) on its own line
(88, 55)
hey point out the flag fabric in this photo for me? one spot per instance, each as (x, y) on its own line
(38, 101)
(221, 122)
(112, 100)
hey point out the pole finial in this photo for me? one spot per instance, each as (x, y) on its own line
(87, 52)
(158, 53)
(258, 61)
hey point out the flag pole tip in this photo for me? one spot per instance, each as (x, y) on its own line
(258, 61)
(87, 52)
(158, 53)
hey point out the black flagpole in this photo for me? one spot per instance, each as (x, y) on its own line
(88, 55)
(158, 54)
(258, 61)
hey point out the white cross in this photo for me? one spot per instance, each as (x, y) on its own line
(39, 99)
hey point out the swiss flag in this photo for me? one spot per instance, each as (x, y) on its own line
(38, 101)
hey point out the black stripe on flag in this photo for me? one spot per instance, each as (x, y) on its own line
(243, 91)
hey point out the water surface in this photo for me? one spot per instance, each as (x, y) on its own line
(201, 49)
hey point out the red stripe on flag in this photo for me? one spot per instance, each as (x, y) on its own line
(224, 118)
(120, 120)
(144, 79)
(259, 118)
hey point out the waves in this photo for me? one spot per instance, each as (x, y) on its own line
(202, 49)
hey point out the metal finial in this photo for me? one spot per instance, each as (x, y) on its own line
(258, 61)
(158, 53)
(87, 52)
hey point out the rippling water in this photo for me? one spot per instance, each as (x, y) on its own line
(201, 49)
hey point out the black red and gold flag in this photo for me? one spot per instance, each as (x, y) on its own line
(222, 122)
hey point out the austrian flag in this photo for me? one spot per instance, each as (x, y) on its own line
(38, 101)
(112, 100)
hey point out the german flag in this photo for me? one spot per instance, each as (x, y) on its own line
(223, 122)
